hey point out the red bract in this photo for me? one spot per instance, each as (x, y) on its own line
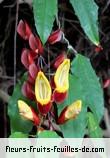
(33, 70)
(55, 37)
(30, 79)
(44, 109)
(98, 48)
(28, 57)
(106, 83)
(31, 57)
(35, 44)
(27, 91)
(24, 30)
(24, 58)
(59, 97)
(59, 60)
(36, 119)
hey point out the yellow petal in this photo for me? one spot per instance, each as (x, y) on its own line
(25, 110)
(61, 76)
(42, 89)
(73, 110)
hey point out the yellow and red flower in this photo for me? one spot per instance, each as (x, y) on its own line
(61, 80)
(43, 93)
(70, 112)
(28, 112)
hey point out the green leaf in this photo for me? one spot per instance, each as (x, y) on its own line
(87, 12)
(92, 91)
(17, 123)
(74, 128)
(44, 15)
(48, 134)
(93, 126)
(18, 135)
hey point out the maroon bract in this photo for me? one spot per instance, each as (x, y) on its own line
(27, 91)
(35, 44)
(36, 118)
(24, 30)
(98, 48)
(59, 97)
(59, 60)
(56, 36)
(33, 70)
(106, 83)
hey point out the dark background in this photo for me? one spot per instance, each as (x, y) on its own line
(70, 24)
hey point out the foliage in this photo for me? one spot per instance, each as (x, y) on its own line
(83, 82)
(87, 12)
(44, 15)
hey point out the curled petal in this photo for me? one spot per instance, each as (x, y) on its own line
(24, 30)
(33, 71)
(27, 112)
(61, 81)
(27, 91)
(55, 37)
(35, 44)
(43, 92)
(59, 60)
(70, 112)
(24, 58)
(59, 97)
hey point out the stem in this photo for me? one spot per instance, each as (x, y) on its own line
(70, 48)
(4, 96)
(16, 22)
(48, 63)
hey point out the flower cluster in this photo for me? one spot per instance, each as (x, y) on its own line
(44, 91)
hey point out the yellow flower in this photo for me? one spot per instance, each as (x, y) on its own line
(24, 110)
(61, 80)
(61, 76)
(73, 110)
(28, 112)
(70, 112)
(43, 92)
